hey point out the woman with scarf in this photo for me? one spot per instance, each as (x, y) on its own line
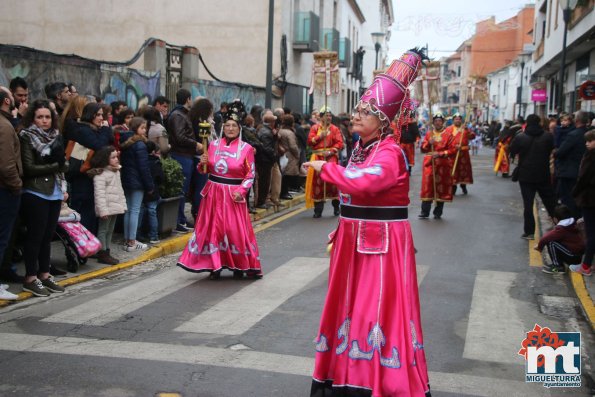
(370, 340)
(223, 236)
(44, 189)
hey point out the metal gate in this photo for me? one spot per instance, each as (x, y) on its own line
(173, 81)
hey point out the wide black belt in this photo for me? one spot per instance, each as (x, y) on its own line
(374, 213)
(225, 181)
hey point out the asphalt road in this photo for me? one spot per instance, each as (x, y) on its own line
(157, 329)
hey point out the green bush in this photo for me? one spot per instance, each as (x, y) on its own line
(174, 178)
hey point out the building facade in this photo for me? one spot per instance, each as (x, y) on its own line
(201, 40)
(579, 65)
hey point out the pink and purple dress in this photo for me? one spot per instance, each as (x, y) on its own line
(370, 340)
(223, 236)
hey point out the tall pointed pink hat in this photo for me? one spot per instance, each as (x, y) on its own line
(388, 95)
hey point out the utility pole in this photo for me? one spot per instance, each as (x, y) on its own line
(269, 77)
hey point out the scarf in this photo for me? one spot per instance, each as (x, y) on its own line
(40, 140)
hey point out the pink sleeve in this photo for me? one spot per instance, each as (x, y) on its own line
(249, 172)
(380, 175)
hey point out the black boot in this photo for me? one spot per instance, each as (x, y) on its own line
(336, 207)
(318, 207)
(464, 187)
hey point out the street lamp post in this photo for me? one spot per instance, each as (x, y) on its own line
(489, 93)
(377, 37)
(567, 7)
(269, 67)
(520, 98)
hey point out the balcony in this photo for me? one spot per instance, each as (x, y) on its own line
(329, 40)
(345, 52)
(305, 34)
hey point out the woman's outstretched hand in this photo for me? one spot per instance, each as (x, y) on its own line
(316, 165)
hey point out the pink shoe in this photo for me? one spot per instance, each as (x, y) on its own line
(580, 269)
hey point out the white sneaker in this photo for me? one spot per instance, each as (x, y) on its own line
(138, 246)
(4, 294)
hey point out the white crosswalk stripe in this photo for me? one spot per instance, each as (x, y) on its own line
(494, 323)
(242, 310)
(460, 384)
(112, 306)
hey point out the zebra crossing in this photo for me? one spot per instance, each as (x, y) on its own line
(251, 303)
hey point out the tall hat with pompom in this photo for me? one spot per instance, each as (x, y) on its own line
(388, 95)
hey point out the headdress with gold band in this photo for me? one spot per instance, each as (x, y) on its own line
(235, 111)
(388, 96)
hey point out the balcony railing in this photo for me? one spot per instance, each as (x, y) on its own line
(345, 53)
(305, 33)
(329, 40)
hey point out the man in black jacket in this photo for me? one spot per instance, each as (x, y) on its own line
(568, 160)
(534, 147)
(266, 158)
(184, 147)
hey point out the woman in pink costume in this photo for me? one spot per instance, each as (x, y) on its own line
(370, 340)
(223, 236)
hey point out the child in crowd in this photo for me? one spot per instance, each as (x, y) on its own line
(136, 178)
(109, 198)
(151, 200)
(564, 243)
(584, 197)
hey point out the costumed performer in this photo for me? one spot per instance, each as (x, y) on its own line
(462, 172)
(370, 340)
(436, 181)
(223, 236)
(326, 142)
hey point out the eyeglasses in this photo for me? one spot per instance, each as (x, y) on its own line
(362, 113)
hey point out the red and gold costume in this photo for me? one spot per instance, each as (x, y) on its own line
(462, 172)
(323, 148)
(439, 167)
(408, 140)
(501, 162)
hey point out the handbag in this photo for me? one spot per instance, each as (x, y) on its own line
(515, 173)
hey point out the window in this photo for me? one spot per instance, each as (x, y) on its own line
(504, 88)
(458, 71)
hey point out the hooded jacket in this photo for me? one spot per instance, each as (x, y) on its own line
(533, 147)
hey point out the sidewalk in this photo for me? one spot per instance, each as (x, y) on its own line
(172, 244)
(584, 287)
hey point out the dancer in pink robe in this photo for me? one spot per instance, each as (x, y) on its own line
(370, 340)
(223, 236)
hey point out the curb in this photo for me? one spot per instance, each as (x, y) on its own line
(168, 247)
(580, 289)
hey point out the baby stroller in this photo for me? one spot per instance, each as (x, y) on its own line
(79, 243)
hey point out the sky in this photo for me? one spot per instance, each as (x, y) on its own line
(442, 24)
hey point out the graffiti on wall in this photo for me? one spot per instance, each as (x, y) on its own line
(39, 68)
(132, 86)
(223, 92)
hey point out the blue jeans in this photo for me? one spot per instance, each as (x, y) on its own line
(150, 208)
(187, 164)
(9, 208)
(134, 199)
